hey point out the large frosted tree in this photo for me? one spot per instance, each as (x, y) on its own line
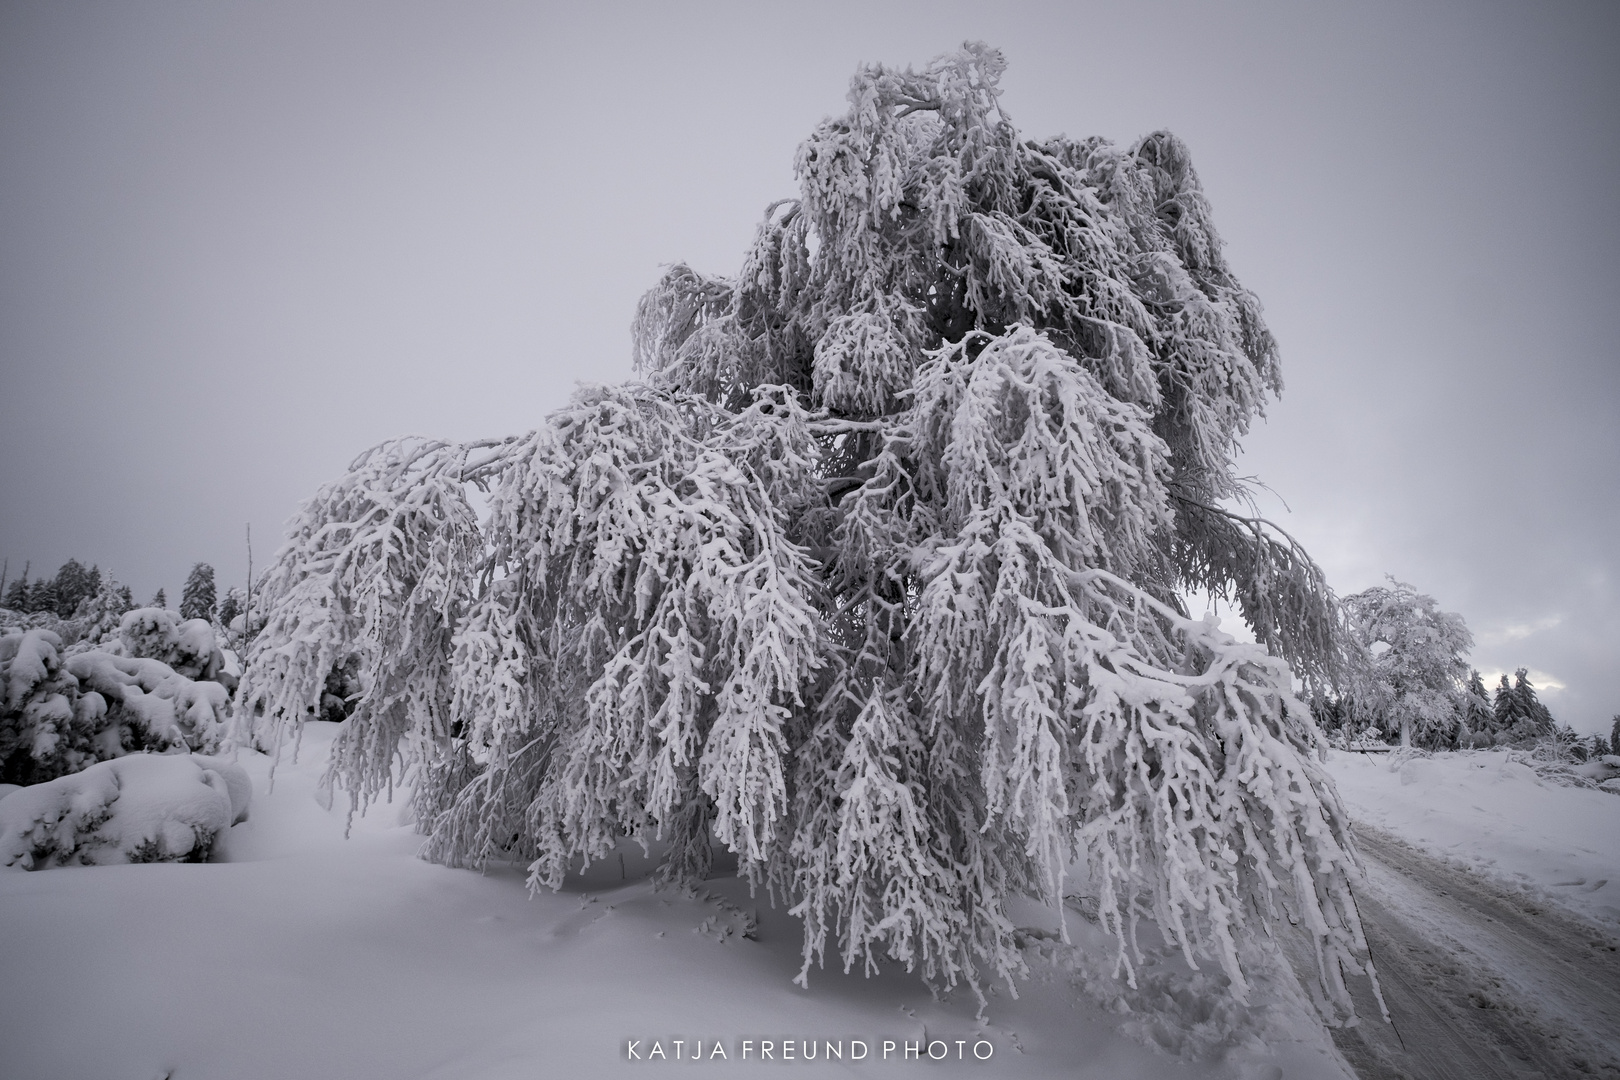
(1410, 677)
(873, 578)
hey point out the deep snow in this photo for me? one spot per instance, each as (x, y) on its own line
(299, 953)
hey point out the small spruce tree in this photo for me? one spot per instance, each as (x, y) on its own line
(230, 607)
(197, 599)
(17, 592)
(1478, 715)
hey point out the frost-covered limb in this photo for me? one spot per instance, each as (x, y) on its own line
(646, 533)
(1282, 593)
(378, 568)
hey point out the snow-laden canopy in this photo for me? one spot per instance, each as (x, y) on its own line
(874, 578)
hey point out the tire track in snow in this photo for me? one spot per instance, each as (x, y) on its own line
(1481, 983)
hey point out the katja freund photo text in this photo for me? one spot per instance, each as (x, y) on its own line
(877, 1050)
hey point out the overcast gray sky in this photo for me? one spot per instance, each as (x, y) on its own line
(241, 242)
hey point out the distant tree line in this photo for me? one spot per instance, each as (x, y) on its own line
(61, 595)
(74, 589)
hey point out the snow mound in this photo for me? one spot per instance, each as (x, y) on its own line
(139, 808)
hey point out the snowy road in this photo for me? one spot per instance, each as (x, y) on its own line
(1481, 983)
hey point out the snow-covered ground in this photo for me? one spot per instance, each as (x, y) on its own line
(299, 953)
(1487, 812)
(1490, 909)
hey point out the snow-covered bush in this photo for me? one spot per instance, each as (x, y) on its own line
(874, 579)
(61, 713)
(139, 808)
(48, 728)
(150, 706)
(186, 645)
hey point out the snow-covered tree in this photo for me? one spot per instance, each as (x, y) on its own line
(1477, 714)
(1519, 712)
(197, 599)
(874, 578)
(1410, 673)
(17, 593)
(230, 607)
(62, 711)
(186, 645)
(102, 615)
(159, 600)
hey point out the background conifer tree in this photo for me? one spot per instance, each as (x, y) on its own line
(17, 593)
(1478, 714)
(197, 598)
(73, 585)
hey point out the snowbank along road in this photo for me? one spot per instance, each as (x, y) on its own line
(1481, 983)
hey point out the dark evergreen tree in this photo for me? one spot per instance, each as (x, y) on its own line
(230, 607)
(1519, 713)
(1477, 711)
(197, 600)
(1537, 713)
(1505, 707)
(42, 596)
(74, 585)
(17, 593)
(161, 600)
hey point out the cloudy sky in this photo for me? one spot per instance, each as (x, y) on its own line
(241, 242)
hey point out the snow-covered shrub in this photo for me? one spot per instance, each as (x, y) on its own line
(874, 579)
(186, 645)
(138, 808)
(101, 614)
(61, 713)
(48, 728)
(150, 706)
